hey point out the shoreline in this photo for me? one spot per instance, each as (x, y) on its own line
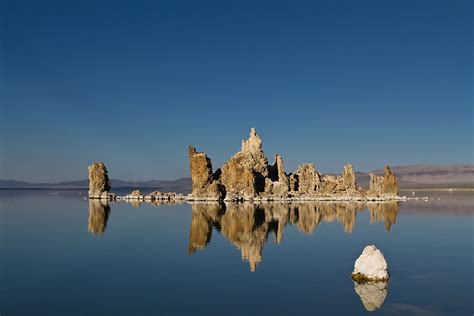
(173, 197)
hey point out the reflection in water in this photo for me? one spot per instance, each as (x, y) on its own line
(383, 212)
(247, 225)
(99, 211)
(372, 294)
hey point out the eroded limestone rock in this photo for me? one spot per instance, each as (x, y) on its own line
(204, 183)
(370, 266)
(244, 174)
(99, 183)
(248, 176)
(383, 186)
(278, 183)
(306, 180)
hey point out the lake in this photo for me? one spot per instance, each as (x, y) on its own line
(64, 255)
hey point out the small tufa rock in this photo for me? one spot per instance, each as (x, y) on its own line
(136, 193)
(99, 183)
(370, 266)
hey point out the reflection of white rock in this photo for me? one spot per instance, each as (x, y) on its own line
(370, 266)
(372, 294)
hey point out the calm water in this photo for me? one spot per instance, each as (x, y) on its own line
(63, 255)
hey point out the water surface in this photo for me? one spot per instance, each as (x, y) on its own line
(64, 255)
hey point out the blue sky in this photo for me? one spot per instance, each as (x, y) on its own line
(132, 83)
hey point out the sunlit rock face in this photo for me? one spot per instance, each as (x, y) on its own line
(248, 176)
(372, 294)
(370, 266)
(99, 211)
(383, 186)
(306, 180)
(244, 174)
(99, 183)
(204, 184)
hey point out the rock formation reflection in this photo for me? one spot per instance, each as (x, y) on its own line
(383, 212)
(248, 225)
(372, 294)
(99, 211)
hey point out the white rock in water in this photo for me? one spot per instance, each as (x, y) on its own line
(370, 266)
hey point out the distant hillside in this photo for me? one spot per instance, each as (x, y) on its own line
(426, 176)
(414, 176)
(180, 185)
(434, 176)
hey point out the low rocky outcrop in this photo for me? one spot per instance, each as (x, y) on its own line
(248, 176)
(370, 266)
(99, 183)
(152, 196)
(383, 186)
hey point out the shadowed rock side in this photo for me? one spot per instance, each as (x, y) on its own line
(99, 211)
(99, 183)
(372, 294)
(247, 225)
(248, 176)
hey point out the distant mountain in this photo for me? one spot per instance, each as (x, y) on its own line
(180, 185)
(428, 176)
(413, 176)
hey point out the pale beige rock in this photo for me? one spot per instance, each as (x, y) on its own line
(136, 193)
(370, 266)
(383, 186)
(306, 180)
(99, 183)
(204, 183)
(244, 174)
(247, 176)
(278, 183)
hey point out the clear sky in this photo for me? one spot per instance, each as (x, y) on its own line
(132, 83)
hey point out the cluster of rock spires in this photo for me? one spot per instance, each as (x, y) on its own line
(248, 176)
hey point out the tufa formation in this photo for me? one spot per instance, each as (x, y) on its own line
(370, 266)
(99, 183)
(248, 176)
